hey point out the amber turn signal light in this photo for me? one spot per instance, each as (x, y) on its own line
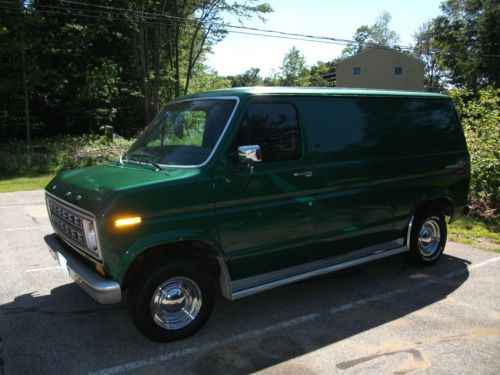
(100, 270)
(126, 221)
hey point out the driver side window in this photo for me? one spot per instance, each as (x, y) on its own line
(274, 127)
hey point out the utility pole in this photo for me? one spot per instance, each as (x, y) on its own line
(25, 81)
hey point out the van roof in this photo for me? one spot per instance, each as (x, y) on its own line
(243, 92)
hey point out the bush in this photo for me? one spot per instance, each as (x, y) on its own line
(51, 155)
(480, 116)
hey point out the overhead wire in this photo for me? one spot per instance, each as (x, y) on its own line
(109, 13)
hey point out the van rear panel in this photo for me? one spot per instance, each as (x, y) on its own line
(377, 158)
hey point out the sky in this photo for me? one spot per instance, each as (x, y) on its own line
(333, 18)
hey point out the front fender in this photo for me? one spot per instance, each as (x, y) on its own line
(161, 239)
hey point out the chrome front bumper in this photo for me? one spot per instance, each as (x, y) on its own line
(102, 290)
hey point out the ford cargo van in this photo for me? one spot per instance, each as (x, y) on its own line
(242, 190)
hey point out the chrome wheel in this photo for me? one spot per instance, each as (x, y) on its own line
(176, 303)
(429, 237)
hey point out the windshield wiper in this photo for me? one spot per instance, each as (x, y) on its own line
(121, 158)
(145, 159)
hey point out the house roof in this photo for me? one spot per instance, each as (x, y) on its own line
(370, 49)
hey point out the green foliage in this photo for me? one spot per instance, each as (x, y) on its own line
(480, 118)
(207, 79)
(462, 46)
(87, 68)
(424, 50)
(317, 70)
(293, 71)
(51, 155)
(249, 78)
(379, 34)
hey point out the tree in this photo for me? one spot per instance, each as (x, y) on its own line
(379, 34)
(89, 64)
(424, 50)
(293, 71)
(317, 71)
(175, 47)
(466, 42)
(250, 78)
(207, 79)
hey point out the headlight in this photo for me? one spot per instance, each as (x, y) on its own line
(90, 234)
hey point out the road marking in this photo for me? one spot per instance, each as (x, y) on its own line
(280, 326)
(193, 349)
(22, 228)
(42, 269)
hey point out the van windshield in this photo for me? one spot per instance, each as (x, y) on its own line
(183, 134)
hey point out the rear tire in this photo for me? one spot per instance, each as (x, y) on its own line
(428, 237)
(172, 302)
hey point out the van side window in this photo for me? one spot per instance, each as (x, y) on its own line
(274, 127)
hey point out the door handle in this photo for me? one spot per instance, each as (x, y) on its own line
(303, 174)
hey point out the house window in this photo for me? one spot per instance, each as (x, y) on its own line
(356, 71)
(398, 70)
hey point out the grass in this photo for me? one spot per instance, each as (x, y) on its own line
(480, 234)
(24, 183)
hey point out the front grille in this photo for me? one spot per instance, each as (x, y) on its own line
(69, 224)
(70, 231)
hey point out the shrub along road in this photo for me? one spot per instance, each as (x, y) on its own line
(384, 317)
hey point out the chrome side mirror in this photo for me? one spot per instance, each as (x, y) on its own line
(249, 154)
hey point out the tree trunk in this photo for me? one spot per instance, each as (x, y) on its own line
(144, 73)
(157, 60)
(193, 58)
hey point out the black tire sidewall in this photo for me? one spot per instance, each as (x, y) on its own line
(140, 299)
(415, 252)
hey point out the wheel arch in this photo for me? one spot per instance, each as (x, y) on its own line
(443, 204)
(197, 251)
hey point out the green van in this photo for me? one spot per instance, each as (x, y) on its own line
(242, 190)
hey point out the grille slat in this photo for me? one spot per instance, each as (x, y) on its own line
(70, 225)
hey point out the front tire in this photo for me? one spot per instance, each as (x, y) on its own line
(172, 302)
(428, 237)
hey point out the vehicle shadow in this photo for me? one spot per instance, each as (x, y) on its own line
(68, 332)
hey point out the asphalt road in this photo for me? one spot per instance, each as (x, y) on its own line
(387, 317)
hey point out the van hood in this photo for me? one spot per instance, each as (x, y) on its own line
(90, 187)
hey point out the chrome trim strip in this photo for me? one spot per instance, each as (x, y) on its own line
(102, 290)
(332, 264)
(251, 281)
(87, 215)
(408, 234)
(237, 99)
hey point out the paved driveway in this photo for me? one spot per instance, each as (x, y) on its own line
(387, 317)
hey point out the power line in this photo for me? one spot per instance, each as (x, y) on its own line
(103, 17)
(107, 12)
(47, 9)
(150, 15)
(211, 23)
(255, 29)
